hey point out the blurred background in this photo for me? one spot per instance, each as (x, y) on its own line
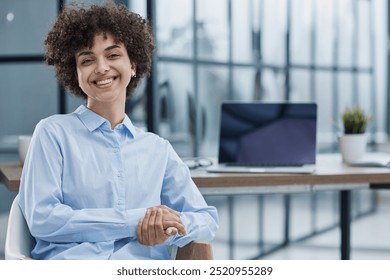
(332, 52)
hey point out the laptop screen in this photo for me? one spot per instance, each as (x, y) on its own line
(278, 134)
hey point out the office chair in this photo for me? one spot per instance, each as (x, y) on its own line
(195, 251)
(19, 242)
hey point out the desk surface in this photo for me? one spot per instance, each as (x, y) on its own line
(329, 170)
(10, 173)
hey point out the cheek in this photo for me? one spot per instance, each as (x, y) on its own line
(80, 78)
(79, 75)
(126, 76)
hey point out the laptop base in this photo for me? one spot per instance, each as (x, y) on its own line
(223, 168)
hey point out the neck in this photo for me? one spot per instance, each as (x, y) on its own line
(113, 112)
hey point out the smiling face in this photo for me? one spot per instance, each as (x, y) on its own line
(104, 71)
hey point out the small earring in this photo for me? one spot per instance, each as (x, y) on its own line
(134, 76)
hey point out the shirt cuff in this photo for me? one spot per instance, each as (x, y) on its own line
(133, 217)
(181, 240)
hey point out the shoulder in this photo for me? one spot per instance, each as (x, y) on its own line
(153, 141)
(58, 119)
(56, 123)
(149, 136)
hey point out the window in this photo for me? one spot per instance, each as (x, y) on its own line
(323, 51)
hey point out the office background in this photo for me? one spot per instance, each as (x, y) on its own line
(333, 52)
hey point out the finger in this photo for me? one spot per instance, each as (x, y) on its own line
(144, 227)
(171, 231)
(159, 229)
(139, 232)
(170, 217)
(151, 226)
(179, 226)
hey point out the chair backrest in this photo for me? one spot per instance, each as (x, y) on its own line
(18, 242)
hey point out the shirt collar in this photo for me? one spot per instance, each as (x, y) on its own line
(93, 121)
(129, 125)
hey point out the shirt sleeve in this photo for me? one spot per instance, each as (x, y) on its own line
(181, 194)
(41, 200)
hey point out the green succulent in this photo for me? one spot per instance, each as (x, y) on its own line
(355, 120)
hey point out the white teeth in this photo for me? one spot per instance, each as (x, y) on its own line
(104, 82)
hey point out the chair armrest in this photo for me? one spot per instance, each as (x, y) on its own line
(195, 251)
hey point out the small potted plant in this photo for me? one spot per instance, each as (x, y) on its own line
(354, 140)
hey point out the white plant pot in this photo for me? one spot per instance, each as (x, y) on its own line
(352, 146)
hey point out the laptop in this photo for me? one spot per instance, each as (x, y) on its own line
(267, 138)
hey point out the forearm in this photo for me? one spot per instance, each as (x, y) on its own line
(62, 224)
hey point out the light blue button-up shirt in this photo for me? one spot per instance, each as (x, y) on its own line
(85, 186)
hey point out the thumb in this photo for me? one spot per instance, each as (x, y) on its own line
(171, 231)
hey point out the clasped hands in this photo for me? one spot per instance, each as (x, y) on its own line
(158, 224)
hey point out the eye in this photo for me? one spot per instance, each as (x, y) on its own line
(113, 56)
(86, 61)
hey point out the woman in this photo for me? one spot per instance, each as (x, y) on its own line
(93, 185)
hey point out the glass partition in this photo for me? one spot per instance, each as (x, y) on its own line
(212, 30)
(273, 38)
(28, 94)
(23, 25)
(175, 34)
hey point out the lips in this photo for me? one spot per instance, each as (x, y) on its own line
(104, 82)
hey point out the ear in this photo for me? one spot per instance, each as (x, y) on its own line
(133, 69)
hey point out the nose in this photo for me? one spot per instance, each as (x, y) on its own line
(102, 66)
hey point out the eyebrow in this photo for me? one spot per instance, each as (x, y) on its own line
(90, 52)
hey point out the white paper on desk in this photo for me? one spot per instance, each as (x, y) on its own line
(373, 160)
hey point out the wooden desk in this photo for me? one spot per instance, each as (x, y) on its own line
(329, 170)
(10, 173)
(331, 173)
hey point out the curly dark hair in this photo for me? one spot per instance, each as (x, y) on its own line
(75, 28)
